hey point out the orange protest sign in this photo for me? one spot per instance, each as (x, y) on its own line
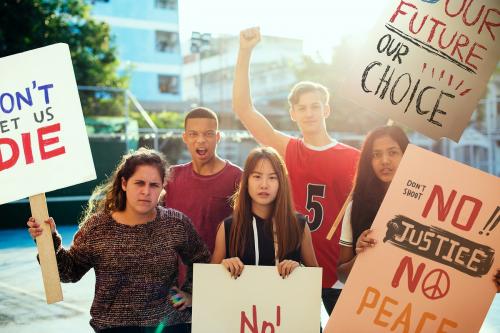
(437, 241)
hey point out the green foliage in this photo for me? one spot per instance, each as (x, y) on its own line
(165, 119)
(102, 103)
(171, 146)
(30, 24)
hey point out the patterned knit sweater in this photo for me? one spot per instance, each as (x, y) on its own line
(135, 266)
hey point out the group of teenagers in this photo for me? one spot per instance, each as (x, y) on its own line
(145, 227)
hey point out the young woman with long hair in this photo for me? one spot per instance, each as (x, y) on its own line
(133, 245)
(380, 156)
(264, 229)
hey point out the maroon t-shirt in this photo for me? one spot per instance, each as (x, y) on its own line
(204, 199)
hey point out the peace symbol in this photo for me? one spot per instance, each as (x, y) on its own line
(436, 284)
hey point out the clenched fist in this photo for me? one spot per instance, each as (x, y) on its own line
(249, 38)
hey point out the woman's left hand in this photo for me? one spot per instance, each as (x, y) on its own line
(181, 300)
(286, 267)
(497, 280)
(365, 241)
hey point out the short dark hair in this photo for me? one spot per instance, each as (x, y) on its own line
(201, 112)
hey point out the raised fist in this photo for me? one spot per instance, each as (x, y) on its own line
(249, 38)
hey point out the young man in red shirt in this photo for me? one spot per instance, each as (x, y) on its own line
(321, 169)
(202, 188)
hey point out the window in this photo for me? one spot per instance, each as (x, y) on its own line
(166, 4)
(168, 84)
(167, 41)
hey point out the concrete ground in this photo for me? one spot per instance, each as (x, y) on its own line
(22, 300)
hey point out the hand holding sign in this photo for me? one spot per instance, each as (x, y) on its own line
(286, 267)
(260, 301)
(36, 229)
(41, 130)
(234, 266)
(433, 252)
(364, 241)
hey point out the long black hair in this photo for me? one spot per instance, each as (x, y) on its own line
(288, 233)
(369, 191)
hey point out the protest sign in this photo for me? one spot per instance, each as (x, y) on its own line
(43, 140)
(259, 301)
(427, 62)
(437, 235)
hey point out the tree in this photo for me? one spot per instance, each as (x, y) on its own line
(172, 146)
(165, 119)
(29, 24)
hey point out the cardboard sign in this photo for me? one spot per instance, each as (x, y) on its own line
(259, 301)
(427, 62)
(43, 141)
(437, 249)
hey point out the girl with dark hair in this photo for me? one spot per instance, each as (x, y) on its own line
(380, 156)
(133, 245)
(264, 229)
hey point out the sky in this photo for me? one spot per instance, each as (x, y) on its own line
(321, 24)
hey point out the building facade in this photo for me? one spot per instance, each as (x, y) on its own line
(146, 34)
(208, 81)
(208, 77)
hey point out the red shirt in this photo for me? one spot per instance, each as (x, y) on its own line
(321, 179)
(204, 199)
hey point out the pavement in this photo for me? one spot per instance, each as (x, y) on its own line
(22, 299)
(23, 307)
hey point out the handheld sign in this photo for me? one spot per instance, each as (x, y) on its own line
(259, 301)
(43, 141)
(427, 62)
(437, 238)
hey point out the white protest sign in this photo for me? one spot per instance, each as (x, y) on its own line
(259, 301)
(43, 140)
(427, 62)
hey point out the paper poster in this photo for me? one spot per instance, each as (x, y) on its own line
(43, 140)
(427, 62)
(259, 301)
(432, 268)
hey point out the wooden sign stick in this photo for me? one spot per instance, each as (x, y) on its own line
(46, 253)
(339, 217)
